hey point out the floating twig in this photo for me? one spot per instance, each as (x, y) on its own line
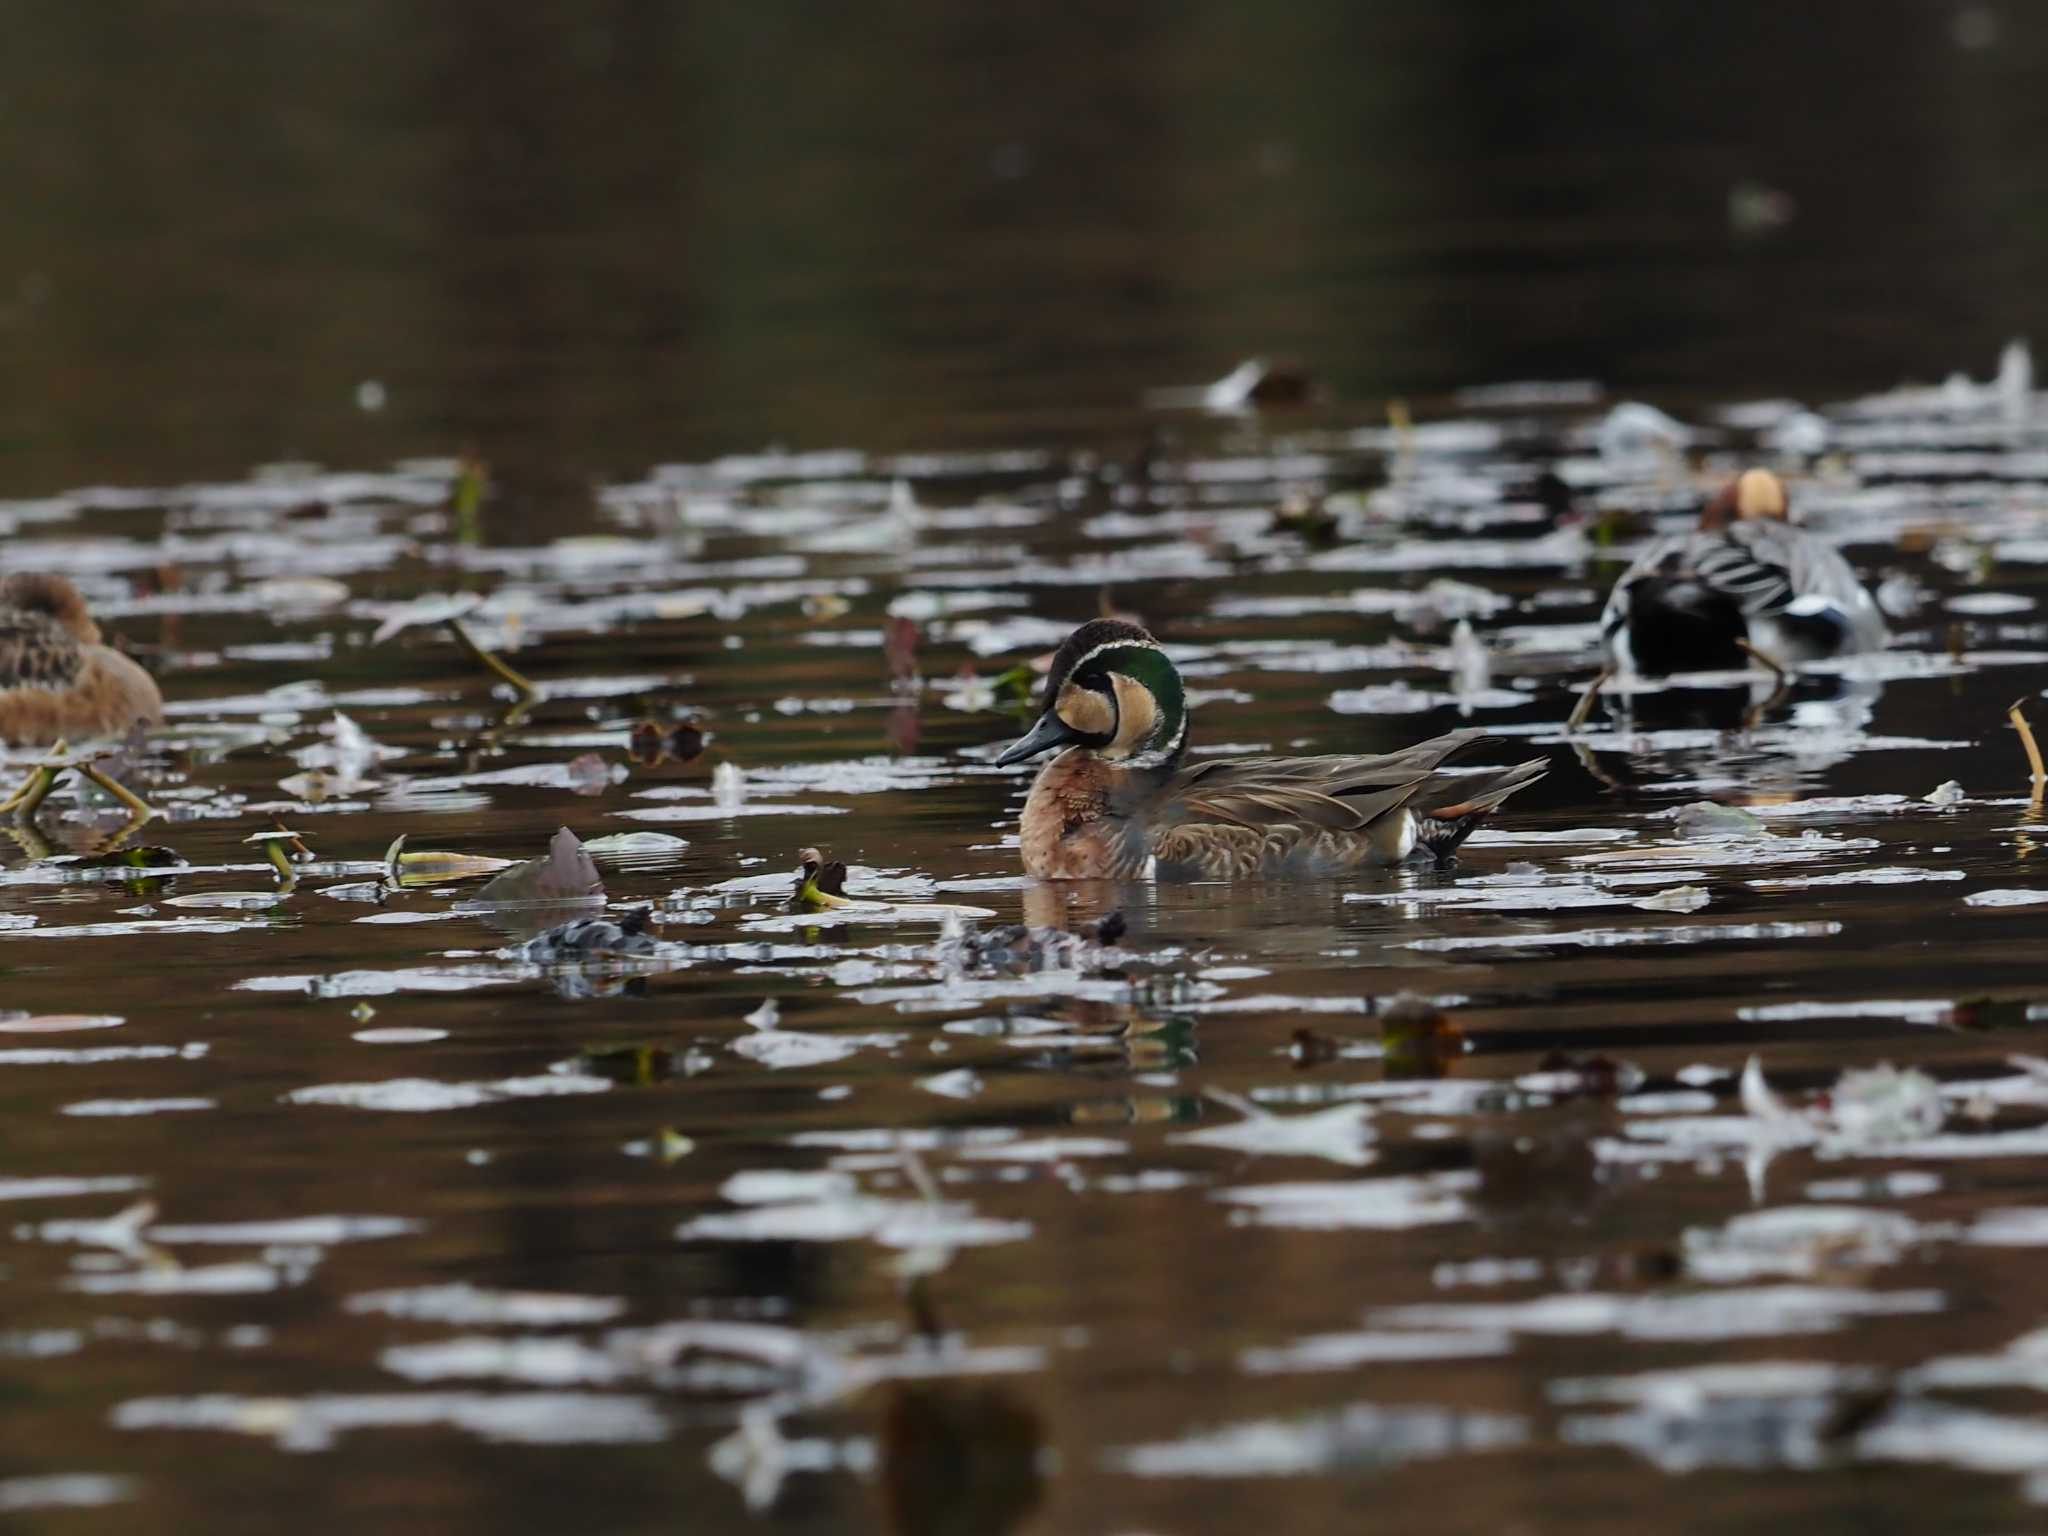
(526, 688)
(1592, 766)
(1585, 704)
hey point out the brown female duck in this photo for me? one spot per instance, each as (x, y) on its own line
(1118, 802)
(57, 681)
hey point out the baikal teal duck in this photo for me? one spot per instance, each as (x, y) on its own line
(1121, 802)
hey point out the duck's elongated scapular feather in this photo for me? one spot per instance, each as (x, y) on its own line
(1691, 600)
(1120, 803)
(57, 681)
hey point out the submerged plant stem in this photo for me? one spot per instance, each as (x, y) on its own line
(1770, 663)
(28, 798)
(121, 792)
(1777, 670)
(2033, 748)
(526, 688)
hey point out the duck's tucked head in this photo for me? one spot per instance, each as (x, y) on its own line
(1113, 690)
(52, 596)
(1752, 496)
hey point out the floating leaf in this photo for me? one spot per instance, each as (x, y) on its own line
(636, 848)
(1705, 819)
(588, 774)
(564, 873)
(229, 901)
(56, 1023)
(1679, 898)
(436, 867)
(1341, 1134)
(1875, 1106)
(432, 608)
(819, 884)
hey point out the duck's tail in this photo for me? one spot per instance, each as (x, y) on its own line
(1442, 828)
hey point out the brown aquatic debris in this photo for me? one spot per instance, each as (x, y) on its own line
(1304, 512)
(899, 648)
(817, 877)
(564, 873)
(1306, 1049)
(653, 742)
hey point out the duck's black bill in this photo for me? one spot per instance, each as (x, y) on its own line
(1050, 732)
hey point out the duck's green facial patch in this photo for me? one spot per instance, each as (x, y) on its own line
(1151, 703)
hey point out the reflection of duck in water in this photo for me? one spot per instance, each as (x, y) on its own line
(57, 681)
(959, 1459)
(1715, 742)
(1120, 803)
(1745, 581)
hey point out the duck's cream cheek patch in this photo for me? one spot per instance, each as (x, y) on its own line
(1137, 715)
(1086, 711)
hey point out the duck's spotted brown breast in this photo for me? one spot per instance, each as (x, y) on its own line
(1070, 831)
(36, 653)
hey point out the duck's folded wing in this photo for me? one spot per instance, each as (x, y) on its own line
(1809, 592)
(1750, 564)
(1339, 794)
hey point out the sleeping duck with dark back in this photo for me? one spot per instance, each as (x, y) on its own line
(1745, 580)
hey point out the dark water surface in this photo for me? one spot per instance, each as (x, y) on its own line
(327, 1205)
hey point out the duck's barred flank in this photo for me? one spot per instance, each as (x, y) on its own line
(1217, 852)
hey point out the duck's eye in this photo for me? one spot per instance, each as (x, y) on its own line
(1086, 710)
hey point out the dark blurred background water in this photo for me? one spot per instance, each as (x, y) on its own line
(586, 238)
